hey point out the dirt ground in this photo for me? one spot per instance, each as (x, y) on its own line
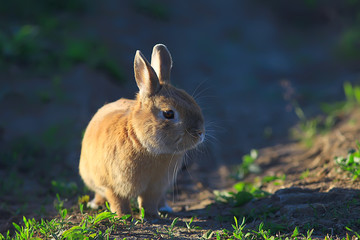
(237, 65)
(326, 199)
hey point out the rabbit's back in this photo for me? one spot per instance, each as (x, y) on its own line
(105, 132)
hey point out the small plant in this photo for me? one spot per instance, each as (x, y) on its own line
(245, 192)
(170, 229)
(295, 233)
(64, 188)
(238, 229)
(58, 204)
(352, 93)
(27, 231)
(248, 165)
(349, 42)
(189, 225)
(153, 9)
(304, 174)
(351, 163)
(208, 235)
(276, 180)
(308, 234)
(81, 208)
(309, 128)
(84, 199)
(63, 214)
(355, 233)
(142, 215)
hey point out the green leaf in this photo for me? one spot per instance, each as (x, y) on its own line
(348, 89)
(174, 222)
(243, 197)
(240, 186)
(295, 233)
(142, 213)
(17, 227)
(73, 231)
(357, 94)
(78, 50)
(102, 216)
(63, 213)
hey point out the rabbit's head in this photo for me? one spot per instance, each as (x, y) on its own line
(166, 120)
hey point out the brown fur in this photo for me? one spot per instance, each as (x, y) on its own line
(130, 150)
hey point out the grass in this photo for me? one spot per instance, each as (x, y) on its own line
(244, 193)
(309, 128)
(103, 225)
(97, 226)
(39, 43)
(350, 163)
(79, 223)
(247, 166)
(153, 8)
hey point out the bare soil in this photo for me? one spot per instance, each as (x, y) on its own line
(234, 56)
(324, 199)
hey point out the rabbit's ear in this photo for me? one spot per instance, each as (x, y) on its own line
(161, 62)
(145, 76)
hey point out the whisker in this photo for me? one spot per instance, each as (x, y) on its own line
(198, 95)
(201, 83)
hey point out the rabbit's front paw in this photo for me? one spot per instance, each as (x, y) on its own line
(92, 204)
(166, 208)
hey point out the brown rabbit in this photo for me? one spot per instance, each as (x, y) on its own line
(134, 148)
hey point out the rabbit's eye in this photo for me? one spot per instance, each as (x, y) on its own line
(169, 114)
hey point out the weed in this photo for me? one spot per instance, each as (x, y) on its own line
(295, 233)
(308, 234)
(248, 165)
(250, 188)
(27, 231)
(170, 229)
(245, 192)
(84, 199)
(153, 9)
(58, 203)
(307, 128)
(304, 174)
(11, 183)
(40, 42)
(92, 53)
(348, 45)
(63, 214)
(208, 235)
(189, 225)
(81, 208)
(238, 229)
(87, 227)
(64, 188)
(352, 93)
(355, 233)
(276, 180)
(351, 163)
(142, 214)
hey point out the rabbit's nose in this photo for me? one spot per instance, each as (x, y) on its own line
(200, 133)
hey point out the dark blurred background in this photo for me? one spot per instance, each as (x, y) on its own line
(248, 63)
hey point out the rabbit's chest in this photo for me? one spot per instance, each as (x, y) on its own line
(136, 176)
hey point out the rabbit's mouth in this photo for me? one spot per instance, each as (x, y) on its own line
(191, 139)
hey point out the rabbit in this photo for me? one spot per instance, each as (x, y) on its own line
(134, 148)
